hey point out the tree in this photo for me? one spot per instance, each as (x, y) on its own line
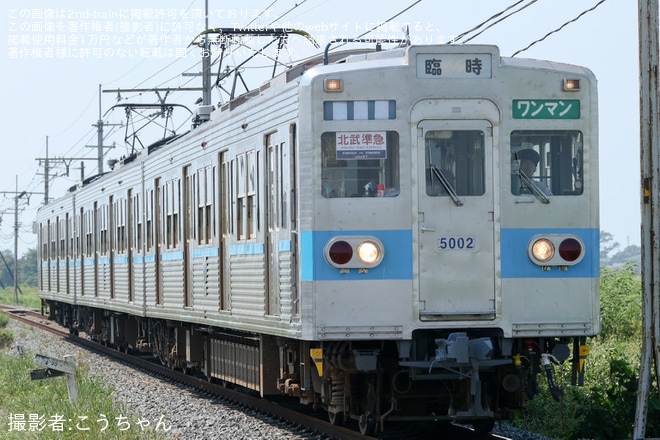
(28, 270)
(6, 268)
(629, 253)
(607, 244)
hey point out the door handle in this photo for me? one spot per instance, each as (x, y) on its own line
(425, 229)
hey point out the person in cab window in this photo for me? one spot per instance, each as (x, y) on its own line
(529, 160)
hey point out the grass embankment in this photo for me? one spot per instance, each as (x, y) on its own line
(41, 409)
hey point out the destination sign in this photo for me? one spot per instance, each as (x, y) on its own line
(353, 145)
(454, 65)
(546, 109)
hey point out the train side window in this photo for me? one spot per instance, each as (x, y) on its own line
(455, 162)
(172, 199)
(205, 194)
(53, 237)
(62, 238)
(360, 164)
(103, 235)
(149, 217)
(551, 160)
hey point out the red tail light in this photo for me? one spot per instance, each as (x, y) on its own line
(570, 249)
(340, 252)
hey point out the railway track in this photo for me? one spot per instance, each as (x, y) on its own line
(279, 409)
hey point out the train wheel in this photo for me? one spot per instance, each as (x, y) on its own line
(367, 424)
(336, 418)
(484, 426)
(367, 420)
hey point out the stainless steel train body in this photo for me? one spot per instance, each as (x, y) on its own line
(358, 233)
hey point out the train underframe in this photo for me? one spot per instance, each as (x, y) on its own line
(474, 377)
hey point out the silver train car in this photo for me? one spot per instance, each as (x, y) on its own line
(397, 235)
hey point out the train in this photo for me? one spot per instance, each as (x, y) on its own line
(401, 234)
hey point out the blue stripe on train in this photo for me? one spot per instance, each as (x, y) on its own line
(516, 264)
(397, 264)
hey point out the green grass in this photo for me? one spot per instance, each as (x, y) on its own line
(29, 298)
(41, 409)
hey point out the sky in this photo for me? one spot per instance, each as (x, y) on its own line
(56, 54)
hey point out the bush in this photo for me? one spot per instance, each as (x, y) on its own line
(6, 338)
(557, 420)
(605, 408)
(620, 302)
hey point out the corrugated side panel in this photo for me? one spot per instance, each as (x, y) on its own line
(150, 283)
(53, 279)
(121, 282)
(206, 283)
(89, 281)
(61, 285)
(138, 283)
(288, 308)
(104, 281)
(247, 284)
(77, 279)
(173, 283)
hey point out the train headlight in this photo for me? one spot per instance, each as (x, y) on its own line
(359, 252)
(369, 252)
(556, 250)
(543, 250)
(571, 84)
(333, 85)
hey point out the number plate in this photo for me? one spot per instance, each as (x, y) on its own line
(457, 244)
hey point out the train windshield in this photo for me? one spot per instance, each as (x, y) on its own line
(547, 162)
(360, 164)
(455, 162)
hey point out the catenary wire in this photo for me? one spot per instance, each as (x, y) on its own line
(500, 20)
(460, 36)
(560, 27)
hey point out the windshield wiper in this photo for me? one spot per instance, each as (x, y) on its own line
(445, 183)
(529, 183)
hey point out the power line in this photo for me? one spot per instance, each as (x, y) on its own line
(492, 17)
(560, 27)
(388, 20)
(501, 20)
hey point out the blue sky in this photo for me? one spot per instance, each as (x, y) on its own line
(55, 57)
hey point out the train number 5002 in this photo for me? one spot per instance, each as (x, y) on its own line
(456, 243)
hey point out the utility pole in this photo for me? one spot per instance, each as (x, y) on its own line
(206, 61)
(650, 201)
(48, 161)
(17, 196)
(99, 137)
(207, 84)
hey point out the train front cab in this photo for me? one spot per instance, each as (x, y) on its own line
(487, 310)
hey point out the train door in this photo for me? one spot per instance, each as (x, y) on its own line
(225, 216)
(156, 210)
(110, 245)
(189, 190)
(129, 244)
(456, 220)
(274, 227)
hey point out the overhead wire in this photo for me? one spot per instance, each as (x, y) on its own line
(501, 19)
(388, 20)
(492, 17)
(560, 27)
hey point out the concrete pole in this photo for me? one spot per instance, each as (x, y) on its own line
(650, 202)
